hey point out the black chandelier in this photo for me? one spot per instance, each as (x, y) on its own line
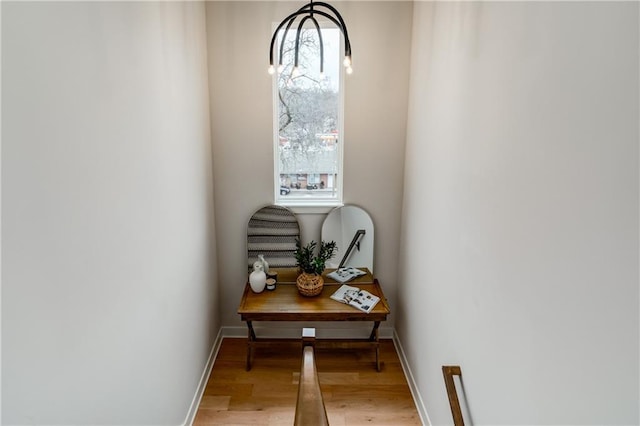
(309, 10)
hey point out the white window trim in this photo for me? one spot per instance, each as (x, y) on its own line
(316, 205)
(308, 209)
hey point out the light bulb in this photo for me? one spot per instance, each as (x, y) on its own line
(322, 75)
(296, 72)
(271, 69)
(347, 61)
(349, 70)
(280, 68)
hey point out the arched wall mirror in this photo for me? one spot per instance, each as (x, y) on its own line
(351, 228)
(272, 231)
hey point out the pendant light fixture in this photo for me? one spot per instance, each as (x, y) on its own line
(309, 12)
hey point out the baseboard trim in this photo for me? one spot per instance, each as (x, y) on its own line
(195, 402)
(417, 398)
(234, 332)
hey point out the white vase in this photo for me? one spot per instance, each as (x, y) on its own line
(257, 279)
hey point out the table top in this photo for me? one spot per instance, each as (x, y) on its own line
(285, 303)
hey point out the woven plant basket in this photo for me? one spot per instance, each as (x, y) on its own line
(309, 284)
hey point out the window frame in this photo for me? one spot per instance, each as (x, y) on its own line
(311, 204)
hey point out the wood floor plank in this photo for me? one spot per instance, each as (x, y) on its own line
(276, 388)
(220, 388)
(339, 378)
(261, 403)
(215, 402)
(386, 418)
(382, 392)
(354, 392)
(226, 418)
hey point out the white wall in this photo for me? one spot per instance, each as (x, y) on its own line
(520, 221)
(109, 296)
(376, 96)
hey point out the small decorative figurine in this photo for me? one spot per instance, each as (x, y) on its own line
(265, 265)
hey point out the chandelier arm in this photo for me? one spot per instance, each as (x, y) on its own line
(297, 45)
(289, 19)
(315, 22)
(310, 8)
(284, 37)
(342, 25)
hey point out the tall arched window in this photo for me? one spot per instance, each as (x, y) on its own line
(308, 121)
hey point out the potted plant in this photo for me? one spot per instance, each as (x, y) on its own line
(310, 281)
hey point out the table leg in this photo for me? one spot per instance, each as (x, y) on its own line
(374, 338)
(250, 340)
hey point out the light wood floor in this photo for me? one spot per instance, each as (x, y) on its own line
(354, 392)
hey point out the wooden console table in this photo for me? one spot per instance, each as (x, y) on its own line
(286, 304)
